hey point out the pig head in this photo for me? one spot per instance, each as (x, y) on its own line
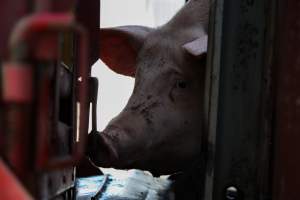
(160, 129)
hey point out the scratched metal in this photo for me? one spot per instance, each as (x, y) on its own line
(238, 68)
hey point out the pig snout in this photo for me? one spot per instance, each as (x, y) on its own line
(100, 149)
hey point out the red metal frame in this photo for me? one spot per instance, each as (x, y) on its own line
(11, 188)
(14, 77)
(11, 11)
(19, 95)
(23, 34)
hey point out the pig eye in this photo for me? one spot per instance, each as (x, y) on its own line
(179, 90)
(181, 84)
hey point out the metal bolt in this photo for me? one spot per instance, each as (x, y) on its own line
(231, 193)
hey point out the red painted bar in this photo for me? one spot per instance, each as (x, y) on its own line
(11, 188)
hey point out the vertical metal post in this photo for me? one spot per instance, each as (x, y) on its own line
(212, 91)
(287, 108)
(237, 93)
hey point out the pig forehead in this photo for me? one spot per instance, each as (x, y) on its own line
(161, 52)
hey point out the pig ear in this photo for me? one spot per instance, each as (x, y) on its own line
(197, 47)
(119, 47)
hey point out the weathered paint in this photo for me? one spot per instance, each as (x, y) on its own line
(236, 89)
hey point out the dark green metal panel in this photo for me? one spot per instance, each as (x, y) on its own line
(238, 142)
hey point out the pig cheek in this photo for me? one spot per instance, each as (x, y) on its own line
(183, 134)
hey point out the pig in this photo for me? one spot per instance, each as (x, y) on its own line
(161, 127)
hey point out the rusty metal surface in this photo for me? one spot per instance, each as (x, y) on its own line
(287, 124)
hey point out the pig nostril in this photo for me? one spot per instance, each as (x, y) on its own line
(181, 84)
